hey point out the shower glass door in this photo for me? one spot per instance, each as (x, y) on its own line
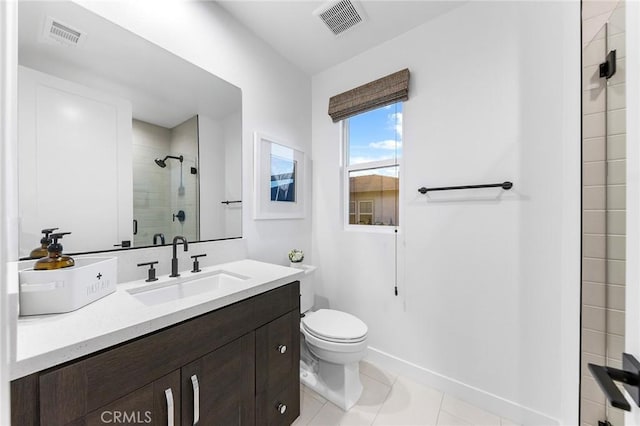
(165, 193)
(603, 203)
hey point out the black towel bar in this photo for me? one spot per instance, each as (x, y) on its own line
(504, 185)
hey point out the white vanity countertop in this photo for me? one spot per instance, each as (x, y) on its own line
(44, 341)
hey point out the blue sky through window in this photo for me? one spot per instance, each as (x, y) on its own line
(376, 135)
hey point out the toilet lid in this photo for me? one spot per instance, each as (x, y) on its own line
(334, 325)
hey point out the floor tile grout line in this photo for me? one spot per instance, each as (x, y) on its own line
(317, 413)
(380, 381)
(311, 393)
(386, 398)
(460, 418)
(376, 416)
(440, 408)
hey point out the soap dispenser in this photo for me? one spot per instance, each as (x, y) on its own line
(41, 251)
(56, 259)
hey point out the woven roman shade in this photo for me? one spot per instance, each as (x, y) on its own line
(378, 93)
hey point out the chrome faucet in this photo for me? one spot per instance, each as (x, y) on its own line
(155, 239)
(174, 260)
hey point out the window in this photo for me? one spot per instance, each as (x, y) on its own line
(373, 147)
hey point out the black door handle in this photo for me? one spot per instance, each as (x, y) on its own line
(629, 376)
(603, 377)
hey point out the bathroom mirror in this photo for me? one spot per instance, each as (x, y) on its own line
(120, 140)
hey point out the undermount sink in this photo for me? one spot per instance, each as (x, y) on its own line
(216, 281)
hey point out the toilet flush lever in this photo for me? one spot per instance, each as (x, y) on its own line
(629, 376)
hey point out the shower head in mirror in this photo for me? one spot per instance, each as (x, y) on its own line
(162, 162)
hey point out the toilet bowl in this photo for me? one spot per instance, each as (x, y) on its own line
(332, 345)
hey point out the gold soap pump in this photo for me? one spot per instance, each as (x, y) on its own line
(56, 259)
(41, 251)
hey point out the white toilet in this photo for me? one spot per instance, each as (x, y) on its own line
(333, 343)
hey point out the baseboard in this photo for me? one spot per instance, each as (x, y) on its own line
(485, 400)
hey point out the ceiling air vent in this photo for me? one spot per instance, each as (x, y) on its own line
(62, 33)
(340, 16)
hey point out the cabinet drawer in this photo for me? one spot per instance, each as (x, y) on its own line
(278, 352)
(278, 370)
(279, 407)
(276, 302)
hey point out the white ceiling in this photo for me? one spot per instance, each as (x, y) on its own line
(291, 28)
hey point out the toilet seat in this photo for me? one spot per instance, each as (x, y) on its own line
(335, 326)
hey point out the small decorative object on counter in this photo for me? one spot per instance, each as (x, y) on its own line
(296, 256)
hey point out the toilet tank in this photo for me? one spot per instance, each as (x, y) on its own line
(306, 286)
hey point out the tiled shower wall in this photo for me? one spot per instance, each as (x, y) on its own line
(151, 202)
(156, 195)
(603, 204)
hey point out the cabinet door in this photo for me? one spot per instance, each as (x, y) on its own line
(278, 370)
(219, 388)
(158, 404)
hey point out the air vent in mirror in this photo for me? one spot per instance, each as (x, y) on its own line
(62, 33)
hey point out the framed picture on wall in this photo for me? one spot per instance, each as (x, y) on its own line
(279, 179)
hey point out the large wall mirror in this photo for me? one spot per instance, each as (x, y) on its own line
(121, 143)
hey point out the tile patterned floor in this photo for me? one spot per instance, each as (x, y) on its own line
(390, 400)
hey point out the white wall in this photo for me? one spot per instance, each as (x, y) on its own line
(232, 186)
(275, 95)
(489, 281)
(221, 179)
(211, 153)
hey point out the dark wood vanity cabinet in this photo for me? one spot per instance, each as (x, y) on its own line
(236, 365)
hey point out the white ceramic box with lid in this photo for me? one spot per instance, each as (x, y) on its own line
(67, 289)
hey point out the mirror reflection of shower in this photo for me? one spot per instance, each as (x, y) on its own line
(162, 162)
(165, 180)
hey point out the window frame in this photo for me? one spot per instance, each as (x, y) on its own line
(347, 169)
(371, 214)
